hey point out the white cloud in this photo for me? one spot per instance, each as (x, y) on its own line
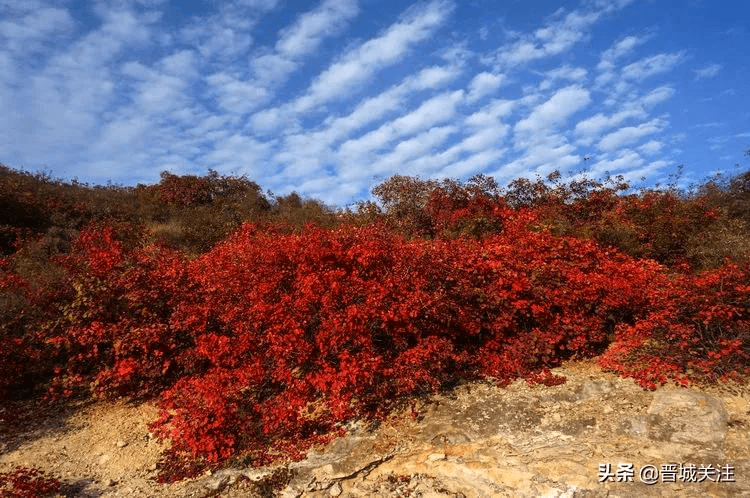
(626, 160)
(124, 132)
(522, 51)
(305, 150)
(358, 65)
(485, 138)
(577, 74)
(611, 5)
(30, 32)
(491, 114)
(717, 142)
(432, 112)
(8, 71)
(651, 147)
(567, 73)
(558, 36)
(123, 25)
(268, 120)
(483, 84)
(475, 162)
(234, 95)
(708, 71)
(438, 109)
(546, 154)
(712, 124)
(365, 113)
(67, 88)
(225, 42)
(658, 95)
(21, 7)
(242, 153)
(475, 152)
(431, 78)
(182, 63)
(135, 70)
(163, 88)
(207, 125)
(416, 146)
(610, 57)
(205, 96)
(483, 146)
(160, 94)
(555, 111)
(272, 68)
(630, 134)
(225, 35)
(237, 96)
(650, 66)
(308, 32)
(588, 130)
(91, 54)
(621, 48)
(261, 5)
(303, 37)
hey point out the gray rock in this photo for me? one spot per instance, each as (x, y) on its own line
(216, 482)
(696, 417)
(594, 389)
(521, 441)
(335, 490)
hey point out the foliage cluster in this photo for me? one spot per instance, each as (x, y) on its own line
(672, 227)
(48, 211)
(270, 339)
(731, 194)
(27, 483)
(188, 212)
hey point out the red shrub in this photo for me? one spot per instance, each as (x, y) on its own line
(697, 329)
(115, 332)
(184, 191)
(27, 483)
(304, 331)
(273, 339)
(457, 212)
(25, 303)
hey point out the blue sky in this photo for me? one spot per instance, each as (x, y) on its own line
(329, 98)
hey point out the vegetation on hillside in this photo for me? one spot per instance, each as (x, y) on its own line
(261, 323)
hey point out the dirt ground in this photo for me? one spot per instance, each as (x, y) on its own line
(94, 447)
(104, 449)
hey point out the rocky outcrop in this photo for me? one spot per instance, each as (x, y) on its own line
(594, 436)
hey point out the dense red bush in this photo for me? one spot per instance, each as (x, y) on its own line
(184, 191)
(321, 318)
(655, 225)
(696, 329)
(458, 213)
(276, 337)
(664, 225)
(26, 302)
(304, 331)
(114, 332)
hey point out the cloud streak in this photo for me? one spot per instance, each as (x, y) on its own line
(358, 65)
(322, 100)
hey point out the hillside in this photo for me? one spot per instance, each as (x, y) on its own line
(257, 327)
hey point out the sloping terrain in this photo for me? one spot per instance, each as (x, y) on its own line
(478, 440)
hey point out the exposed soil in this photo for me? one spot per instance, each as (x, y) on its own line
(95, 448)
(101, 449)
